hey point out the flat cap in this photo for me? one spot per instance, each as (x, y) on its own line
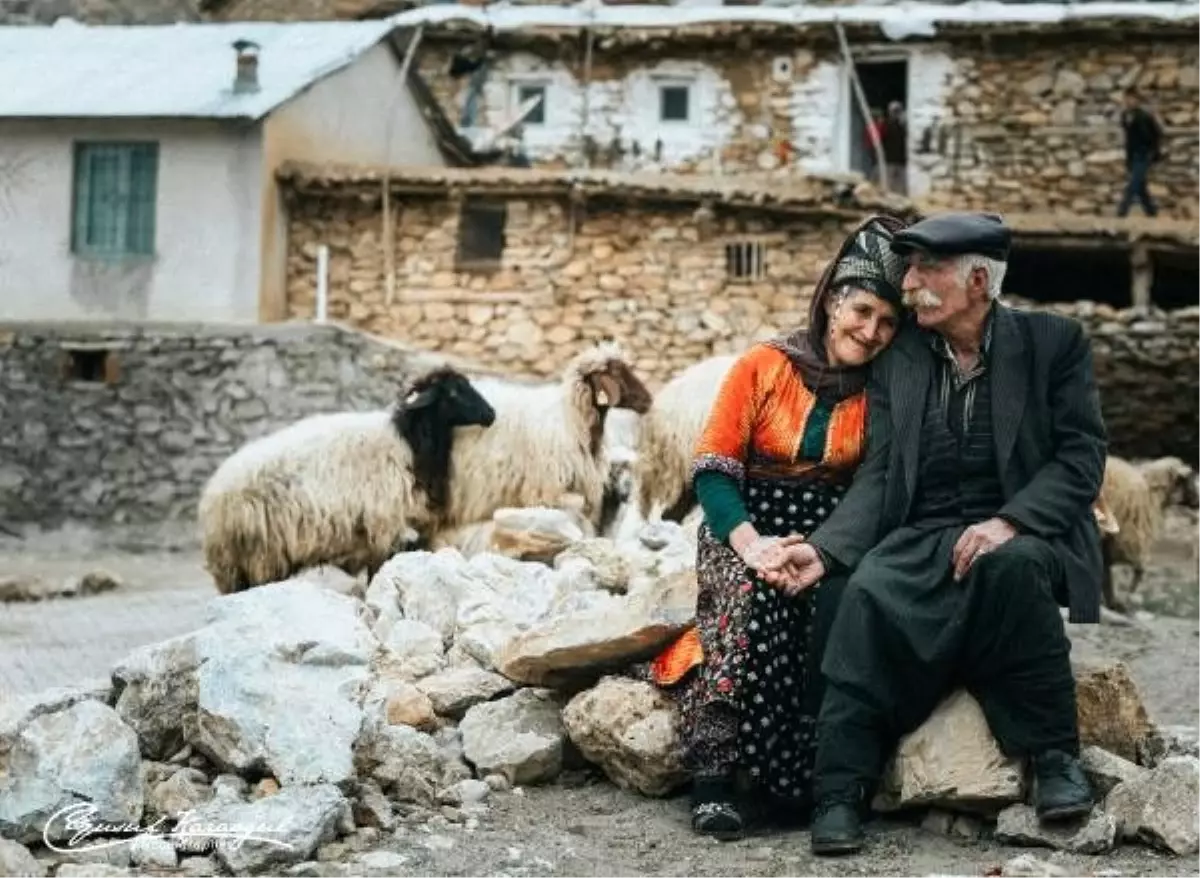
(951, 234)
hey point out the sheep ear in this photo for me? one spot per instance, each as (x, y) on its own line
(418, 399)
(607, 390)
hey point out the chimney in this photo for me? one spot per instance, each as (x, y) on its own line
(246, 79)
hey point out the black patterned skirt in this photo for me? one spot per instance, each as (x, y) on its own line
(753, 703)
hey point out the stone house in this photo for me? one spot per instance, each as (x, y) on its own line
(517, 269)
(1012, 107)
(137, 164)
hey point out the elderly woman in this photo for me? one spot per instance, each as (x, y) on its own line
(785, 434)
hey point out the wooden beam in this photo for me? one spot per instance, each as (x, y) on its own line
(1143, 274)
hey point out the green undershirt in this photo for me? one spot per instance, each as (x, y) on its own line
(720, 495)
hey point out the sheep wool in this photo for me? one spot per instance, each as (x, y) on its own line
(667, 439)
(330, 489)
(546, 443)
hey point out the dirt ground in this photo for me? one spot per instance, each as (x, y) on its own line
(583, 825)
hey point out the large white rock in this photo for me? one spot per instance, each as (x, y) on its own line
(609, 569)
(413, 649)
(1161, 807)
(1019, 824)
(630, 729)
(271, 685)
(520, 736)
(592, 640)
(286, 827)
(82, 756)
(422, 586)
(455, 690)
(951, 761)
(15, 860)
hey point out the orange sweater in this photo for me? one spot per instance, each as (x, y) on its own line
(757, 422)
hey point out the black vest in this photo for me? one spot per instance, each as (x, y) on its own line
(957, 480)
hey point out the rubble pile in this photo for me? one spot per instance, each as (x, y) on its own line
(315, 723)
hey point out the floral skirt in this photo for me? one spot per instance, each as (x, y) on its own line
(752, 703)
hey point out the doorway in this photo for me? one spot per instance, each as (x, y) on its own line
(883, 83)
(1048, 274)
(1176, 279)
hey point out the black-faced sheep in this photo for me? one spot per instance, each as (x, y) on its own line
(547, 442)
(668, 436)
(1135, 497)
(344, 489)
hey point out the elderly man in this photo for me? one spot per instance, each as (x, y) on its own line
(968, 524)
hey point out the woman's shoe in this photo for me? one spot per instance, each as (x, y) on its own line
(714, 809)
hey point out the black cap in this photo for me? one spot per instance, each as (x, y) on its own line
(953, 234)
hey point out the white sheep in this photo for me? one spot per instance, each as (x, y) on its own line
(669, 433)
(1135, 496)
(347, 489)
(547, 441)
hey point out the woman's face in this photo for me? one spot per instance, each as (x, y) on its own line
(860, 326)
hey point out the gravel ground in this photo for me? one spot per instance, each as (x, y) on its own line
(582, 825)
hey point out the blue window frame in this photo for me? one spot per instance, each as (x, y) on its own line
(115, 198)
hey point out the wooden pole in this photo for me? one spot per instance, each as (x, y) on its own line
(389, 237)
(861, 97)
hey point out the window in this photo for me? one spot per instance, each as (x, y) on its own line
(90, 365)
(480, 233)
(537, 116)
(114, 201)
(745, 260)
(674, 103)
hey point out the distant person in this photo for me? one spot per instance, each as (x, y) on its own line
(1143, 147)
(895, 147)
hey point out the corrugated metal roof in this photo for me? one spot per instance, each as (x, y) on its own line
(180, 70)
(902, 17)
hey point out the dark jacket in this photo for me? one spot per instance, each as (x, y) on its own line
(1143, 136)
(1050, 438)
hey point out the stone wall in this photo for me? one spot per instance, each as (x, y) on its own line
(99, 11)
(1035, 130)
(1026, 124)
(135, 445)
(1148, 370)
(655, 279)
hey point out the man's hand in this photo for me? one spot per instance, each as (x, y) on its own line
(978, 540)
(800, 568)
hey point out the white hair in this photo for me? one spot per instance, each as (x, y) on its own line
(994, 268)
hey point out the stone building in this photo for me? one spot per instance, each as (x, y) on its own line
(1018, 113)
(519, 269)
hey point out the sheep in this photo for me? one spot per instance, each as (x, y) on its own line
(669, 433)
(547, 442)
(346, 489)
(1134, 497)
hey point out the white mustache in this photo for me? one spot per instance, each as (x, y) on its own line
(922, 298)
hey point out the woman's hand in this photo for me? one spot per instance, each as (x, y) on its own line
(799, 568)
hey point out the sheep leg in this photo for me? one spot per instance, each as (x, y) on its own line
(1109, 589)
(1138, 571)
(681, 507)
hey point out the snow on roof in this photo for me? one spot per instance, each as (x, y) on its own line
(180, 70)
(899, 19)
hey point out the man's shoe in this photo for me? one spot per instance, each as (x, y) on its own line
(837, 825)
(1061, 789)
(714, 809)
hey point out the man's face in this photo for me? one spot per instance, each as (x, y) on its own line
(934, 290)
(1130, 102)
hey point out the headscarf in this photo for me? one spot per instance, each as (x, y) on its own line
(864, 261)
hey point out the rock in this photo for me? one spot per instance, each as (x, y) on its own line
(414, 649)
(91, 870)
(453, 691)
(81, 756)
(379, 863)
(179, 793)
(591, 641)
(313, 869)
(408, 705)
(409, 765)
(288, 826)
(268, 786)
(372, 808)
(470, 792)
(1094, 834)
(1111, 713)
(198, 867)
(951, 761)
(1029, 866)
(422, 586)
(938, 822)
(94, 582)
(1161, 807)
(268, 686)
(630, 729)
(229, 788)
(1167, 741)
(610, 569)
(153, 852)
(533, 534)
(1106, 770)
(17, 713)
(520, 736)
(15, 860)
(498, 783)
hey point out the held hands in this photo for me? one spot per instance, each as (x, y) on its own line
(977, 540)
(801, 567)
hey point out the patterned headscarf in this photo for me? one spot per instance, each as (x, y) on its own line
(864, 261)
